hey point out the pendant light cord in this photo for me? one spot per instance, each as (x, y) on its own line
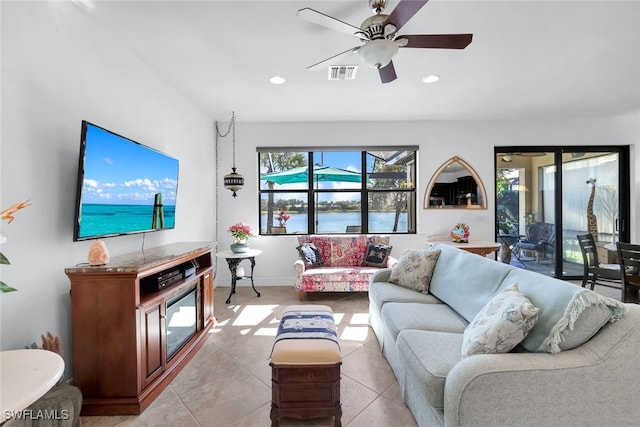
(232, 129)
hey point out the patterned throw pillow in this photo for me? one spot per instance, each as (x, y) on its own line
(501, 324)
(310, 254)
(415, 269)
(376, 255)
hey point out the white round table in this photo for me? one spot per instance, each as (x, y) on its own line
(25, 376)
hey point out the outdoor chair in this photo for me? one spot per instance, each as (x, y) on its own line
(353, 229)
(595, 272)
(629, 257)
(540, 237)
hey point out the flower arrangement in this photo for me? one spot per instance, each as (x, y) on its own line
(7, 215)
(240, 231)
(460, 233)
(283, 218)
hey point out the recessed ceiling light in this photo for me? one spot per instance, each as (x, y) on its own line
(431, 79)
(277, 80)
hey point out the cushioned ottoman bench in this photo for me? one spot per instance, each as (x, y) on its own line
(305, 365)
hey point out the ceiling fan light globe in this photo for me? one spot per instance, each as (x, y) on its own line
(378, 53)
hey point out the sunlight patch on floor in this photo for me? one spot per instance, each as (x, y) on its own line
(267, 332)
(355, 333)
(359, 319)
(253, 315)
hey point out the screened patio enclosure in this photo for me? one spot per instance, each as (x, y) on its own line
(564, 191)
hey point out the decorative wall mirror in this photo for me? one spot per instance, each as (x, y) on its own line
(455, 185)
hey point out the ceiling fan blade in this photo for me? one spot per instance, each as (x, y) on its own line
(388, 73)
(405, 11)
(438, 41)
(327, 21)
(321, 64)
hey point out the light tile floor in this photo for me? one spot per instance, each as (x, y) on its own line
(228, 382)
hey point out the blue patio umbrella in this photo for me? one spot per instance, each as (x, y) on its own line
(321, 173)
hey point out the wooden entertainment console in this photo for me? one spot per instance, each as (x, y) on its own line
(119, 318)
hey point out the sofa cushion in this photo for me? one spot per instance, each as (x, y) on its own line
(426, 370)
(323, 243)
(569, 314)
(501, 324)
(310, 254)
(376, 255)
(383, 292)
(348, 251)
(466, 293)
(399, 316)
(342, 251)
(414, 269)
(336, 279)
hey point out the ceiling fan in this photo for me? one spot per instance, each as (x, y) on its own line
(379, 34)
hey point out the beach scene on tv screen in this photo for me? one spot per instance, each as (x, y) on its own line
(122, 181)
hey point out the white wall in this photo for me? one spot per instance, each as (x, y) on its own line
(437, 141)
(58, 69)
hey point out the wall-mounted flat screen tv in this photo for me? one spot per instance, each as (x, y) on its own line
(124, 187)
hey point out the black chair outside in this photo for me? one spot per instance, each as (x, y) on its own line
(629, 257)
(595, 272)
(353, 229)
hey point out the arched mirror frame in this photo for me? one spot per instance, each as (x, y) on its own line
(473, 173)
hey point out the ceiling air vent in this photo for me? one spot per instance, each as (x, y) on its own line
(342, 72)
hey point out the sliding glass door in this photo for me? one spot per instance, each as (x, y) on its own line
(526, 188)
(545, 197)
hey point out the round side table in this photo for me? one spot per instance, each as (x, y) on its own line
(25, 377)
(233, 260)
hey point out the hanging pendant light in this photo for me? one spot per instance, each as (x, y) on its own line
(232, 181)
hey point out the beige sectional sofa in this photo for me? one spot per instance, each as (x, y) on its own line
(577, 366)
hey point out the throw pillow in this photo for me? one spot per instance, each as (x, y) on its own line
(501, 324)
(376, 255)
(415, 269)
(310, 254)
(585, 314)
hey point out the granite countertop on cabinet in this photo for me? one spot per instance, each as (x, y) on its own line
(145, 259)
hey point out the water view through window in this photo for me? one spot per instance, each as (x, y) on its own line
(337, 197)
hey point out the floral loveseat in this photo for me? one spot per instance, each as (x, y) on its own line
(330, 263)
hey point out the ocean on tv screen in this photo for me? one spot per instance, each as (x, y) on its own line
(105, 219)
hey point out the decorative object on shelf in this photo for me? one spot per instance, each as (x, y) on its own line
(460, 233)
(98, 253)
(283, 218)
(241, 233)
(7, 215)
(232, 181)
